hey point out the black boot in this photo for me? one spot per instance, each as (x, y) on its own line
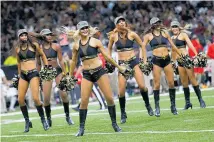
(48, 115)
(112, 113)
(66, 110)
(82, 117)
(122, 101)
(198, 93)
(42, 116)
(28, 123)
(145, 96)
(187, 98)
(157, 98)
(172, 100)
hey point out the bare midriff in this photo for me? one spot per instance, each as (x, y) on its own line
(160, 52)
(28, 65)
(91, 63)
(126, 55)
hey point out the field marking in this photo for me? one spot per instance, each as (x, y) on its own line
(97, 133)
(178, 93)
(91, 113)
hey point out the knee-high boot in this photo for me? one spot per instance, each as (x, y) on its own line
(66, 110)
(42, 116)
(82, 118)
(157, 106)
(122, 101)
(187, 98)
(28, 123)
(112, 113)
(172, 100)
(145, 97)
(198, 93)
(48, 115)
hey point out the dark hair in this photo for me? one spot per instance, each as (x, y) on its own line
(30, 41)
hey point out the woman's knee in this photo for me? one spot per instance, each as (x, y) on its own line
(21, 101)
(171, 84)
(157, 85)
(84, 104)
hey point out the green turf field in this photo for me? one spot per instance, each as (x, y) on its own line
(195, 125)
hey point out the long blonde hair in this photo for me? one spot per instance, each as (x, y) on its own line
(75, 34)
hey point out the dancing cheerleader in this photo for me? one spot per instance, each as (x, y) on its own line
(87, 48)
(27, 51)
(158, 39)
(53, 53)
(124, 39)
(181, 40)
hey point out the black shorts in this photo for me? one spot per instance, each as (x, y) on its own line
(58, 70)
(94, 75)
(28, 75)
(161, 61)
(131, 62)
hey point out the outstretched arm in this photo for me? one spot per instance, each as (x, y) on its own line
(189, 43)
(106, 55)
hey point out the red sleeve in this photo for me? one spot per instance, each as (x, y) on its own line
(210, 51)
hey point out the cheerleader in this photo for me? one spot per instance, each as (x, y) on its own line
(26, 52)
(124, 39)
(87, 48)
(158, 38)
(181, 40)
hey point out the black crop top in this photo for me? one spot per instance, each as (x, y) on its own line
(158, 41)
(124, 44)
(86, 51)
(26, 55)
(179, 43)
(50, 53)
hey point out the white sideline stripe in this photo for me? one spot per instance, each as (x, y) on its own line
(141, 132)
(116, 100)
(90, 111)
(94, 113)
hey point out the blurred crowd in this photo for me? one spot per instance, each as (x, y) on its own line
(37, 15)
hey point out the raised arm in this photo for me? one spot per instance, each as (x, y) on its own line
(41, 53)
(189, 43)
(61, 61)
(74, 58)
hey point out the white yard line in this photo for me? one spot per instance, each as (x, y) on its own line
(116, 100)
(141, 132)
(95, 112)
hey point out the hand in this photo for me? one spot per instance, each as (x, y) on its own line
(122, 69)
